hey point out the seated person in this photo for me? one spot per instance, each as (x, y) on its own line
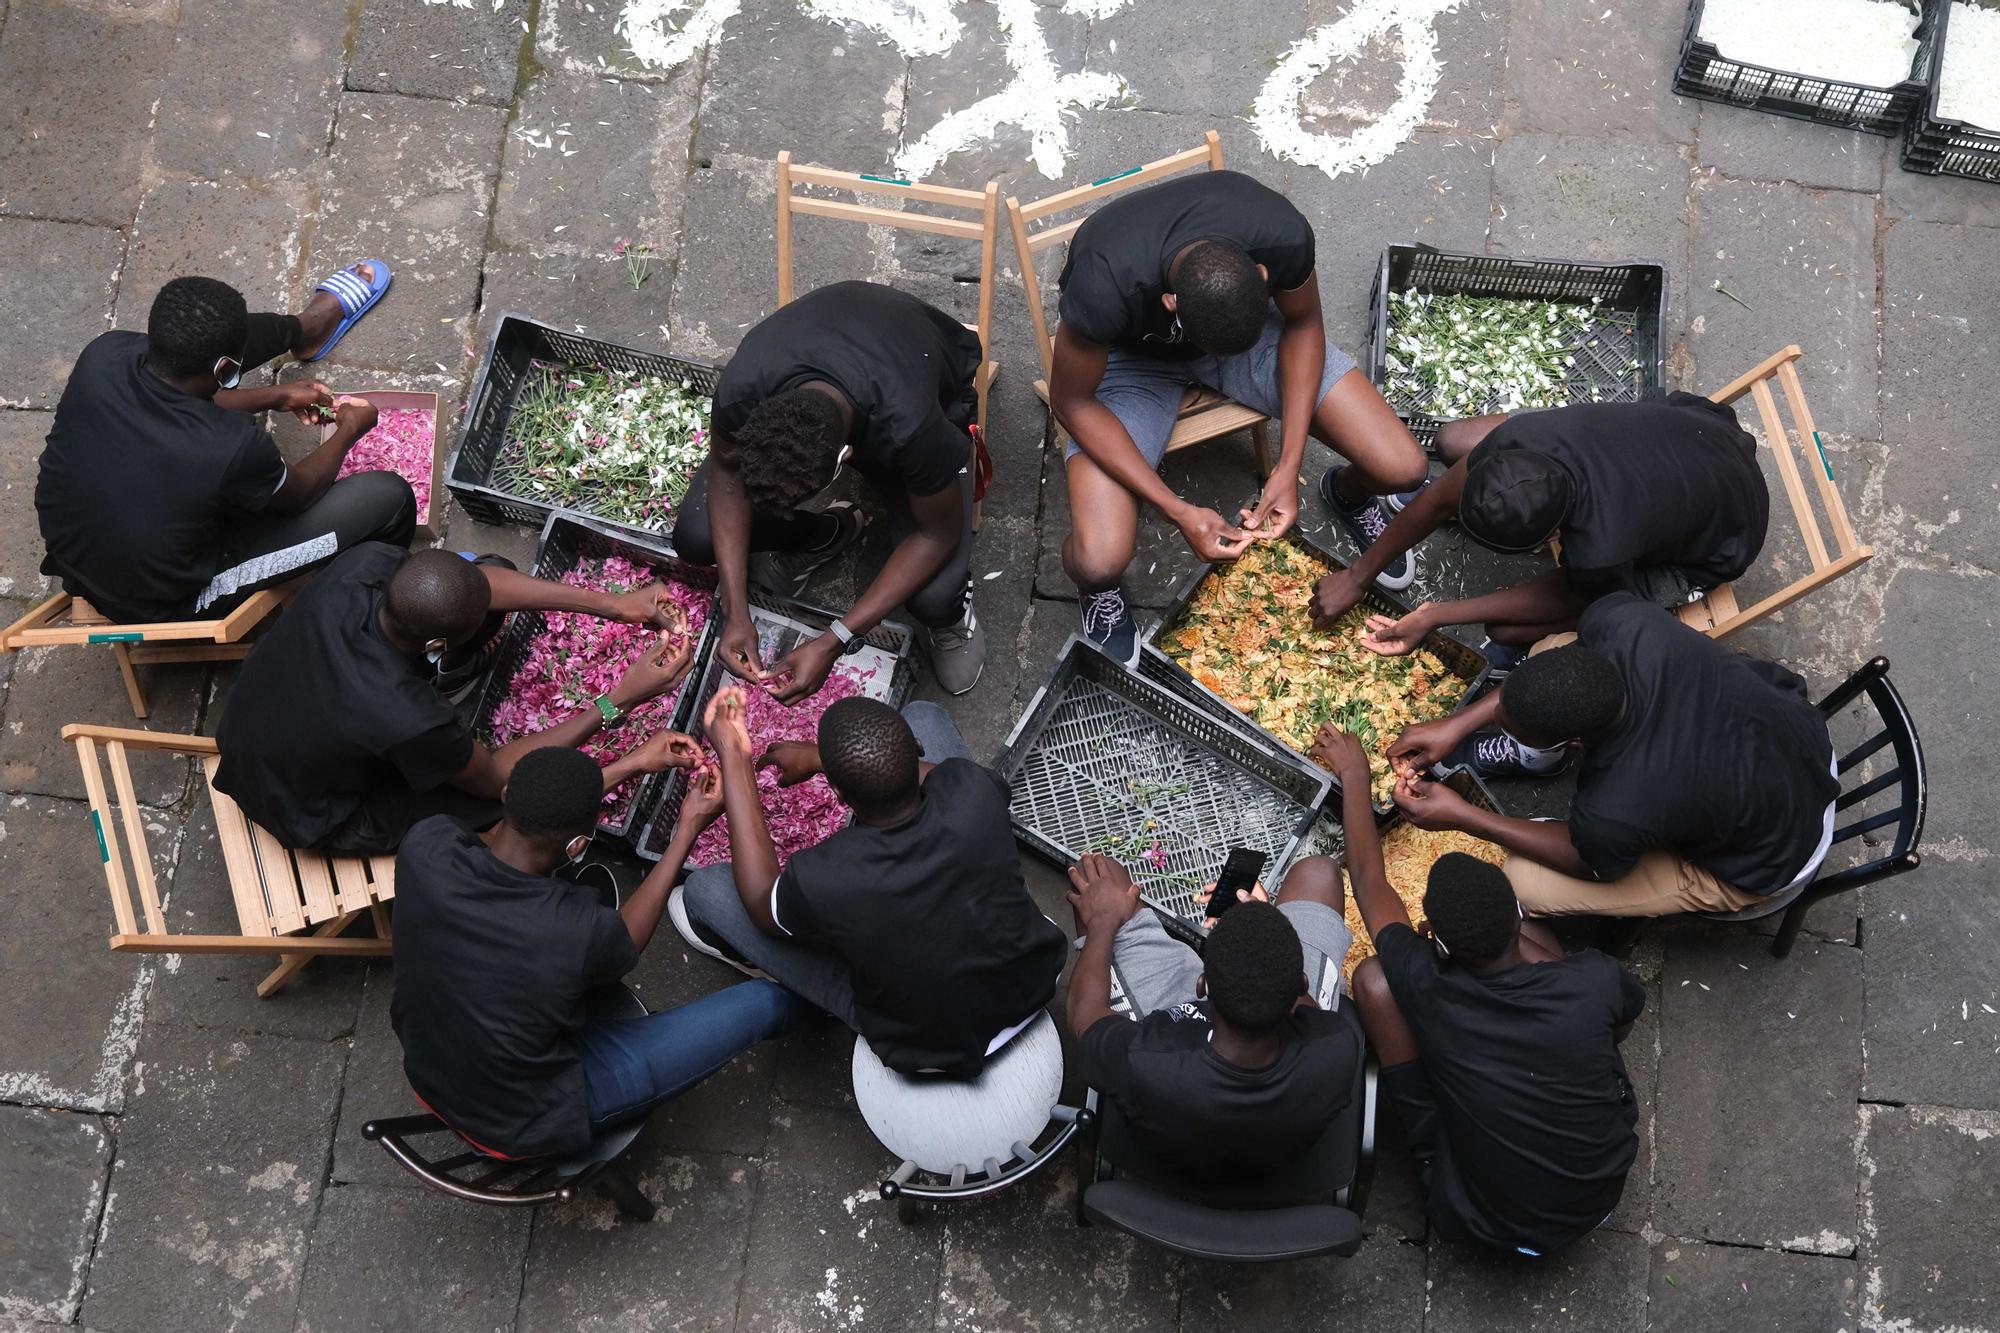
(495, 957)
(162, 497)
(1663, 498)
(1205, 280)
(335, 735)
(856, 370)
(1238, 1065)
(912, 925)
(1708, 777)
(1499, 1052)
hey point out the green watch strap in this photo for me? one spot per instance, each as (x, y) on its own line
(611, 712)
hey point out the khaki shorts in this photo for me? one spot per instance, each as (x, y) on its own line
(1662, 884)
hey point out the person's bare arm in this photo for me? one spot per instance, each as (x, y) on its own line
(514, 591)
(729, 530)
(1543, 601)
(1366, 874)
(1425, 744)
(1341, 591)
(1456, 439)
(307, 480)
(1432, 805)
(1301, 363)
(699, 807)
(1104, 899)
(753, 856)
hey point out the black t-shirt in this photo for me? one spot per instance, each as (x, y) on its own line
(948, 949)
(1721, 758)
(1118, 260)
(492, 965)
(1668, 482)
(907, 367)
(139, 482)
(1537, 1113)
(331, 730)
(1212, 1119)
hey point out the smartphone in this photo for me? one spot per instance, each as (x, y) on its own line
(1239, 871)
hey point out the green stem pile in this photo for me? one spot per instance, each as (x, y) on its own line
(1462, 356)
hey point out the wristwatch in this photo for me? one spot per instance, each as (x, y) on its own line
(850, 642)
(611, 712)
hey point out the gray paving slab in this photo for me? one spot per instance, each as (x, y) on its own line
(68, 157)
(22, 435)
(1471, 47)
(246, 238)
(1914, 196)
(1938, 344)
(1380, 1287)
(832, 93)
(1219, 76)
(825, 1249)
(1577, 67)
(53, 687)
(586, 294)
(373, 1088)
(1804, 262)
(815, 1069)
(1597, 1284)
(1933, 1030)
(1696, 1288)
(1945, 688)
(468, 53)
(1759, 1058)
(1018, 1260)
(410, 182)
(1929, 1173)
(729, 1111)
(584, 37)
(216, 1184)
(56, 286)
(52, 1170)
(398, 1258)
(591, 1271)
(1758, 146)
(591, 161)
(728, 280)
(225, 118)
(1641, 1051)
(69, 1038)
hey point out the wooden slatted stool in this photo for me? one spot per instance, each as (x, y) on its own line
(1205, 414)
(981, 223)
(1718, 614)
(64, 619)
(292, 904)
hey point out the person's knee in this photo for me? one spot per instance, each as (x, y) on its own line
(1095, 557)
(1370, 988)
(383, 505)
(1316, 879)
(1403, 466)
(773, 1008)
(709, 895)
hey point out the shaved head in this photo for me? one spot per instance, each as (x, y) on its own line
(437, 595)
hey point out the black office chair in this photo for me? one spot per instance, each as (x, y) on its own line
(465, 1172)
(1310, 1210)
(1892, 797)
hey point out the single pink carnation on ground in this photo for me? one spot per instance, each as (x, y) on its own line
(403, 442)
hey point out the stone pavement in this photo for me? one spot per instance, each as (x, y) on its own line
(1820, 1134)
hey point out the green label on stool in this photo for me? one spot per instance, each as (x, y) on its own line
(97, 827)
(126, 636)
(1117, 176)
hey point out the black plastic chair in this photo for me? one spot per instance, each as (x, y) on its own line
(1312, 1209)
(1900, 789)
(464, 1172)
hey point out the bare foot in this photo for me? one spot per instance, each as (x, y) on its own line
(322, 316)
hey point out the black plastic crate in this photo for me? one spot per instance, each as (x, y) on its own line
(1468, 664)
(518, 343)
(1936, 146)
(1632, 301)
(1099, 744)
(774, 639)
(1704, 72)
(568, 539)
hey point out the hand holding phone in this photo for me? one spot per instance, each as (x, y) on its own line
(1239, 872)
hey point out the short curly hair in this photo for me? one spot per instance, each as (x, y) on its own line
(1567, 693)
(786, 449)
(554, 792)
(869, 753)
(193, 322)
(1255, 968)
(438, 595)
(1221, 298)
(1471, 907)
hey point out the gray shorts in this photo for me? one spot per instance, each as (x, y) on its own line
(1145, 392)
(1156, 971)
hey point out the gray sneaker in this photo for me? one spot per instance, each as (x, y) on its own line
(958, 652)
(788, 572)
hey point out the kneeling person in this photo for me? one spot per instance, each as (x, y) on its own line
(913, 925)
(496, 960)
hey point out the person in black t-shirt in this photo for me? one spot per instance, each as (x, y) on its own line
(1205, 281)
(913, 925)
(852, 369)
(1708, 777)
(335, 735)
(1237, 1063)
(1664, 498)
(161, 497)
(496, 959)
(1499, 1051)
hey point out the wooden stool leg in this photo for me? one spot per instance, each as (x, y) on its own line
(132, 690)
(293, 963)
(1260, 439)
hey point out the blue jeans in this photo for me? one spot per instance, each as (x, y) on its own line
(632, 1065)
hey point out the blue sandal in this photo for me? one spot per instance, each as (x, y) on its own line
(357, 296)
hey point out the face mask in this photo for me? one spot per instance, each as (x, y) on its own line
(578, 848)
(230, 377)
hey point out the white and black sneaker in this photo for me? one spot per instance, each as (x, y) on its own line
(1366, 524)
(678, 914)
(958, 652)
(1495, 754)
(1402, 500)
(1108, 623)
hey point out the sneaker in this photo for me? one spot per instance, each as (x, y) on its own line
(958, 652)
(1108, 624)
(1400, 501)
(1366, 525)
(1495, 754)
(788, 572)
(677, 913)
(1501, 658)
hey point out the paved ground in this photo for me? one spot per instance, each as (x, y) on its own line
(1820, 1135)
